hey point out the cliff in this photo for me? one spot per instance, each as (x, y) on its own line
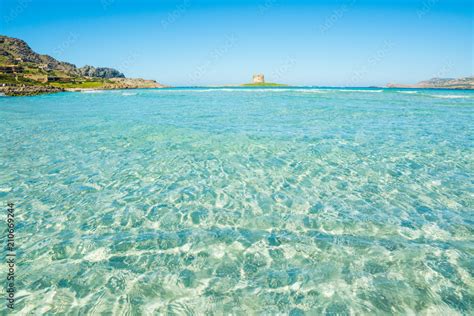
(102, 72)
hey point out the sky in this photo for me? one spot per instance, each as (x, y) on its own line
(211, 42)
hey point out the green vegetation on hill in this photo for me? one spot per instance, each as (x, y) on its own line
(9, 79)
(12, 80)
(79, 85)
(264, 84)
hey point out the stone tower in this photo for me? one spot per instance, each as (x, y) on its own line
(258, 78)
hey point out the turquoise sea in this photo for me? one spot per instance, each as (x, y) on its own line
(197, 201)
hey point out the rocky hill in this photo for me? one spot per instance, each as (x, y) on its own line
(101, 72)
(25, 72)
(17, 51)
(440, 83)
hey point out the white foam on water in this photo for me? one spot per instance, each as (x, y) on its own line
(222, 90)
(449, 96)
(92, 91)
(129, 94)
(358, 90)
(195, 90)
(181, 90)
(2, 94)
(315, 91)
(244, 90)
(308, 90)
(260, 90)
(408, 92)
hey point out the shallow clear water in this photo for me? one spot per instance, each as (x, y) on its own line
(241, 201)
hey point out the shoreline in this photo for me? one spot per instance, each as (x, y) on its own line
(18, 91)
(38, 90)
(122, 84)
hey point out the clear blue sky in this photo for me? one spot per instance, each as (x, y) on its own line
(193, 42)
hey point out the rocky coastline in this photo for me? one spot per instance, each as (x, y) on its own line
(23, 90)
(125, 83)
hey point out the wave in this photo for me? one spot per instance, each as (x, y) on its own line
(439, 96)
(313, 91)
(449, 96)
(129, 94)
(408, 92)
(221, 90)
(324, 91)
(92, 91)
(267, 90)
(182, 90)
(358, 90)
(257, 90)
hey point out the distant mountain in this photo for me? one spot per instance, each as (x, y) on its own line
(440, 83)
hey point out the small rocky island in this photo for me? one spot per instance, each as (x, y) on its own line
(259, 81)
(25, 72)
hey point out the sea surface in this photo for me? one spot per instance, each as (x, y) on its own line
(197, 201)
